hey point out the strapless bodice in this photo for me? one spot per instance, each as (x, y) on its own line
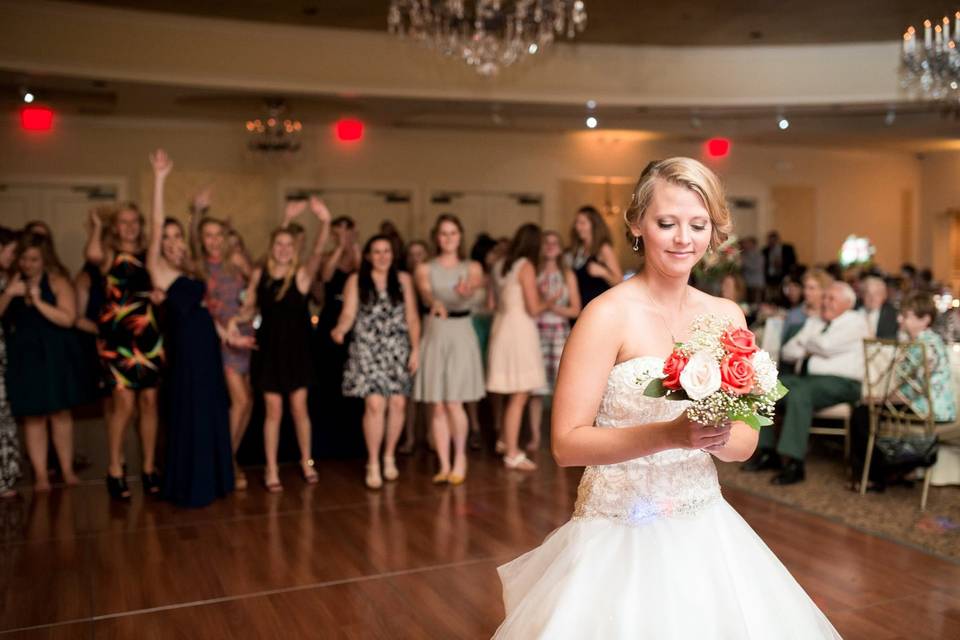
(669, 483)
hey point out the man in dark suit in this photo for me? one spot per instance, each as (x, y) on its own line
(778, 260)
(880, 315)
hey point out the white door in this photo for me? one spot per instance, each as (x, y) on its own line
(63, 207)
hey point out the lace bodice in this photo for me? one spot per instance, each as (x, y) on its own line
(669, 483)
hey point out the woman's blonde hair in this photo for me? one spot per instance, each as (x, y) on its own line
(819, 276)
(692, 175)
(271, 263)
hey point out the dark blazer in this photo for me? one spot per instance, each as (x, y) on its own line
(887, 325)
(788, 260)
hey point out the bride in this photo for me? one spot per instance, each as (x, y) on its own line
(652, 550)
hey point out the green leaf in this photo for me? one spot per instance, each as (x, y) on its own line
(778, 392)
(678, 395)
(655, 389)
(755, 420)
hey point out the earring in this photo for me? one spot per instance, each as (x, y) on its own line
(636, 244)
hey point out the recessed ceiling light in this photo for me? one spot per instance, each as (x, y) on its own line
(533, 48)
(591, 104)
(592, 122)
(28, 97)
(783, 123)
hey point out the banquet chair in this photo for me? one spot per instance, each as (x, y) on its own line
(891, 415)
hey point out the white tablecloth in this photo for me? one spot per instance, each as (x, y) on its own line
(947, 469)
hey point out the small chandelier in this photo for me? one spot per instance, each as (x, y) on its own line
(487, 34)
(274, 132)
(930, 69)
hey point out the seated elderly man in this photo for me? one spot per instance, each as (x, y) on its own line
(880, 315)
(829, 350)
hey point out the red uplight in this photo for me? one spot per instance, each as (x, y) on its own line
(718, 147)
(36, 118)
(349, 129)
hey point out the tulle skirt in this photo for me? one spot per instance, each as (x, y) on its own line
(701, 576)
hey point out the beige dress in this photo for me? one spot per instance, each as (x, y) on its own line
(514, 361)
(450, 366)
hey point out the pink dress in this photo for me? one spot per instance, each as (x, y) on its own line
(514, 360)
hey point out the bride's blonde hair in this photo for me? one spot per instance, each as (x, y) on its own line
(690, 174)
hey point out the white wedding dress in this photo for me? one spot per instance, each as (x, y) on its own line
(653, 550)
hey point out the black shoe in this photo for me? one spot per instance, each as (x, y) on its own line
(117, 488)
(792, 473)
(151, 483)
(475, 441)
(763, 460)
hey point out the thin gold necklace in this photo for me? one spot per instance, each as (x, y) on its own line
(659, 310)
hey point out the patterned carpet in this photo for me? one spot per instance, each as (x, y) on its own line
(894, 514)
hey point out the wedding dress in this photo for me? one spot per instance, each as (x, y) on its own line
(653, 550)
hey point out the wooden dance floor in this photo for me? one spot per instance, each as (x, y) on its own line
(410, 561)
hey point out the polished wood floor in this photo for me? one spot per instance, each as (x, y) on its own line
(410, 561)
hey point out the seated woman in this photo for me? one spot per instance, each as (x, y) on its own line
(917, 314)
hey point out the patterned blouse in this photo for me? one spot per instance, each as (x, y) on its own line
(941, 381)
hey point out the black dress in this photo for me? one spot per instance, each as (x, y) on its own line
(43, 360)
(283, 338)
(199, 458)
(590, 286)
(95, 377)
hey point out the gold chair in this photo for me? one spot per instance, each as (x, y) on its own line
(891, 411)
(877, 360)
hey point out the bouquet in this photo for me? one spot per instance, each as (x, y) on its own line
(723, 372)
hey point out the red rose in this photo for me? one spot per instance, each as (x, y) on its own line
(672, 368)
(736, 373)
(739, 341)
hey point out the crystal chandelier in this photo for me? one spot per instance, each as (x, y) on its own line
(930, 69)
(487, 34)
(274, 132)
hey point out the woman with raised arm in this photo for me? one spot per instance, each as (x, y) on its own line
(594, 261)
(43, 374)
(199, 460)
(652, 550)
(450, 372)
(555, 281)
(280, 290)
(380, 306)
(131, 347)
(224, 269)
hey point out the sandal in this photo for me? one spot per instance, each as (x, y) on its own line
(390, 471)
(519, 462)
(373, 480)
(308, 472)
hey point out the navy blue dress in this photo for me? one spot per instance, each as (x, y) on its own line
(199, 461)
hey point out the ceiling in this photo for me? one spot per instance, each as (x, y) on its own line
(904, 126)
(628, 22)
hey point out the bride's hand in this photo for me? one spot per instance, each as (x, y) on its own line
(693, 435)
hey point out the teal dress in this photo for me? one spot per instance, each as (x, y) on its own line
(44, 361)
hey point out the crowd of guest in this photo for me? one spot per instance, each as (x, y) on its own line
(177, 326)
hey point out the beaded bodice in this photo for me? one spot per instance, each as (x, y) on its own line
(670, 483)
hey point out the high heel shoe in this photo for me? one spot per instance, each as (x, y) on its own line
(441, 478)
(373, 479)
(390, 471)
(455, 479)
(151, 483)
(500, 447)
(308, 472)
(118, 489)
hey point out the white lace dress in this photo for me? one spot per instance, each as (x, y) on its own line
(653, 550)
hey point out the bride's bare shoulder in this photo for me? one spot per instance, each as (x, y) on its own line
(715, 305)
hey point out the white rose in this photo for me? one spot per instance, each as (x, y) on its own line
(701, 376)
(766, 373)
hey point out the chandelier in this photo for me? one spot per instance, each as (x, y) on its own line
(274, 132)
(930, 69)
(487, 34)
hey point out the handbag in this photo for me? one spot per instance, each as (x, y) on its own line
(905, 453)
